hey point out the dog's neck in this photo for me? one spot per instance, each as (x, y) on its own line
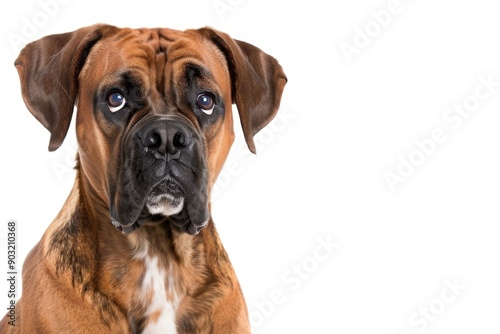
(141, 278)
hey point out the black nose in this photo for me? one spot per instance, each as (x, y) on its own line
(165, 136)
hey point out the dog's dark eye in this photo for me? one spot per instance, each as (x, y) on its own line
(116, 101)
(206, 103)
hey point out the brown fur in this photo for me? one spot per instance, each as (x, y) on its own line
(84, 275)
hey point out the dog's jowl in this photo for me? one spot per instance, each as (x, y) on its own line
(134, 248)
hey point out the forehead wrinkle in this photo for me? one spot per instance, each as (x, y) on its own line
(154, 43)
(141, 58)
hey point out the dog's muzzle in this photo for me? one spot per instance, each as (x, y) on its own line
(163, 175)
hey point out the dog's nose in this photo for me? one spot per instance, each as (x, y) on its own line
(165, 136)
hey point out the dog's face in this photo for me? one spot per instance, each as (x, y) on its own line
(154, 122)
(158, 106)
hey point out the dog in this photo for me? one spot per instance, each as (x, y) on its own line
(134, 248)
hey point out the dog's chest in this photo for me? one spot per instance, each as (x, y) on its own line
(159, 297)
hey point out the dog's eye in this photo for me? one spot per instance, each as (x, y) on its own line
(206, 103)
(116, 101)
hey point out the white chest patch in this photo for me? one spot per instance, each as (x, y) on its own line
(159, 306)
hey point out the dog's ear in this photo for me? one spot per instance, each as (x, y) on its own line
(48, 70)
(257, 82)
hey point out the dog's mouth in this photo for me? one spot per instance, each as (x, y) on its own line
(166, 203)
(166, 198)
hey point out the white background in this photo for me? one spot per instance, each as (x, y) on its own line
(319, 175)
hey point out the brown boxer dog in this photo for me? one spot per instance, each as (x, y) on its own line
(134, 248)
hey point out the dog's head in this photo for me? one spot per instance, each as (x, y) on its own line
(154, 123)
